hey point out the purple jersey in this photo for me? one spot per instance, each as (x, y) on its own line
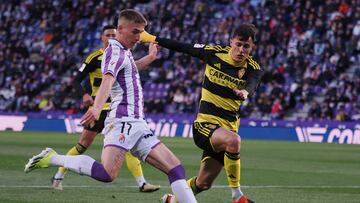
(126, 92)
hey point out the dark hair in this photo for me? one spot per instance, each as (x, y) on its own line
(133, 16)
(107, 27)
(244, 31)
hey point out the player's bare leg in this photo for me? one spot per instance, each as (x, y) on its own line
(209, 170)
(225, 140)
(228, 141)
(112, 159)
(163, 159)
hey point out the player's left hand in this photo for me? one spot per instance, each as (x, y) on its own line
(243, 94)
(89, 118)
(153, 50)
(87, 100)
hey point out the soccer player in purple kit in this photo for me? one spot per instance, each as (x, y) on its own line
(92, 68)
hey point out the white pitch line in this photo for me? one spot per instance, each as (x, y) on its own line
(214, 186)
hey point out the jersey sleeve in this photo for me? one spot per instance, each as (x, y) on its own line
(254, 78)
(113, 61)
(195, 50)
(82, 72)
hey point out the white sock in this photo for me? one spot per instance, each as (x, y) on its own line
(182, 191)
(59, 175)
(236, 193)
(80, 164)
(140, 180)
(57, 160)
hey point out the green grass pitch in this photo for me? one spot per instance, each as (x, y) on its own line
(272, 171)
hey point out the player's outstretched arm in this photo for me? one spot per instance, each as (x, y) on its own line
(84, 71)
(145, 61)
(191, 49)
(93, 113)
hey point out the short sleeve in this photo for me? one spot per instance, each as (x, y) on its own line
(113, 60)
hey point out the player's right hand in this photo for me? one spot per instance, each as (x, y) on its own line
(146, 37)
(89, 118)
(87, 100)
(243, 94)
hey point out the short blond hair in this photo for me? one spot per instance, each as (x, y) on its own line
(132, 16)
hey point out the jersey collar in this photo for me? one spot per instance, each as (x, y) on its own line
(115, 41)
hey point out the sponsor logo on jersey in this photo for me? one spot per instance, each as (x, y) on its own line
(148, 135)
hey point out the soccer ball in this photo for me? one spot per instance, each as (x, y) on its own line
(168, 198)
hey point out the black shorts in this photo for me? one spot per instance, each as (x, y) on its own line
(202, 133)
(99, 124)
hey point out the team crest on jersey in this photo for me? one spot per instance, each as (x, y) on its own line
(241, 73)
(122, 138)
(111, 126)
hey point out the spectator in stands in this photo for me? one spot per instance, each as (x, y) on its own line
(314, 111)
(38, 40)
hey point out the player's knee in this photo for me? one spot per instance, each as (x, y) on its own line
(233, 144)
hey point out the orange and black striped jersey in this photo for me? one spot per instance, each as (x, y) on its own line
(219, 104)
(91, 67)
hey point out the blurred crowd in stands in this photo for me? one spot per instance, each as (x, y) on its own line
(309, 50)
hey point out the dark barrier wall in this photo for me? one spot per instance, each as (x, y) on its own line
(165, 126)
